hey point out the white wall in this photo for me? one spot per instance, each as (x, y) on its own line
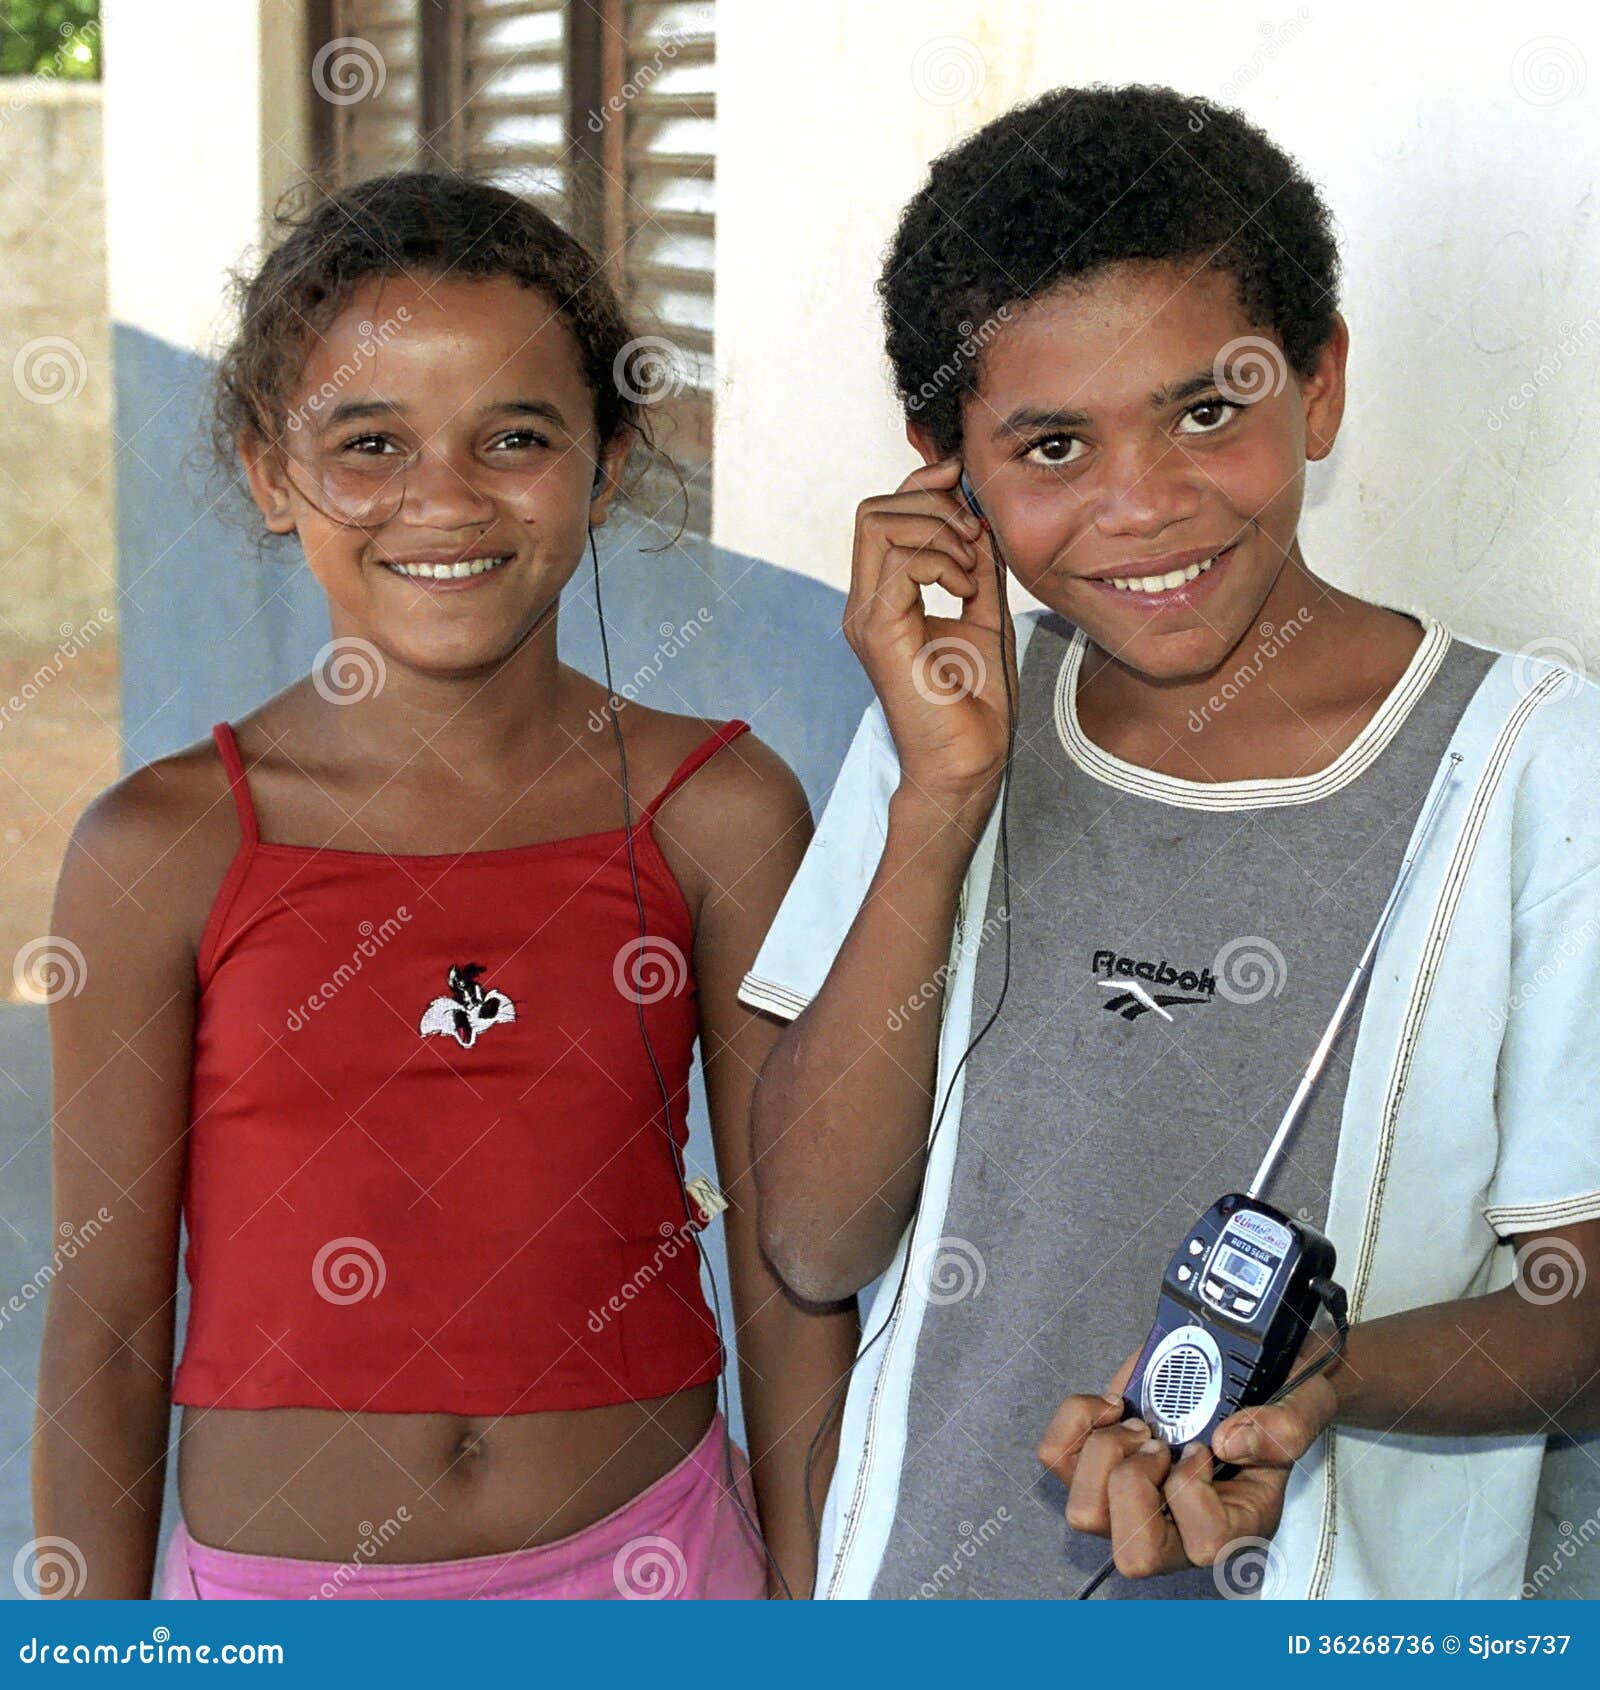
(1455, 144)
(204, 124)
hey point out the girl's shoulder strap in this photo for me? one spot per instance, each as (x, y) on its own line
(706, 749)
(222, 733)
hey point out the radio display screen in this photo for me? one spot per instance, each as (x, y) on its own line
(1241, 1269)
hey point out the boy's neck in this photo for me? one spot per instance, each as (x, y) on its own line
(1275, 707)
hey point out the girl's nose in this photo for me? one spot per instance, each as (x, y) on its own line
(440, 492)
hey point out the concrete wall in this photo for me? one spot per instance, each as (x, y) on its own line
(56, 568)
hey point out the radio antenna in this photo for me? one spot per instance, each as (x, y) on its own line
(1291, 1116)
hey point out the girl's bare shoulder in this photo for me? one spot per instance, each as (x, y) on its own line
(737, 808)
(157, 842)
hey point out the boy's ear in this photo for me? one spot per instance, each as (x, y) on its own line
(922, 443)
(1322, 392)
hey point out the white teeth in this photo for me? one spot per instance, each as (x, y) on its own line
(446, 571)
(1160, 583)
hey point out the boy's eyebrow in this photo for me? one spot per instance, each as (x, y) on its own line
(358, 410)
(1029, 421)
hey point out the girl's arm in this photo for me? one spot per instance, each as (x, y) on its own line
(121, 1055)
(745, 827)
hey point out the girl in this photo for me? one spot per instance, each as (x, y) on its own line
(381, 995)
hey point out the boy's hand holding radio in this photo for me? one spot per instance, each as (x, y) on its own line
(939, 678)
(1163, 1515)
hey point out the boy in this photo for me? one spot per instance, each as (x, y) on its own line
(1009, 1090)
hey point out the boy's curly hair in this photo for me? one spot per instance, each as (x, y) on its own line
(436, 222)
(1080, 179)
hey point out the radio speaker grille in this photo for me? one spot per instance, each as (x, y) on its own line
(1179, 1383)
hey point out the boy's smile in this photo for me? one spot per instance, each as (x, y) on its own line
(1139, 486)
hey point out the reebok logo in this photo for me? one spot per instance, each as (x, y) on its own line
(1125, 979)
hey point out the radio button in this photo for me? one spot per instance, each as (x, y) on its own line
(1197, 1247)
(1185, 1273)
(1244, 1305)
(1216, 1290)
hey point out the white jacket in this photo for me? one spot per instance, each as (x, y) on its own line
(1471, 1113)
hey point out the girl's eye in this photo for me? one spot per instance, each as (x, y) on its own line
(1209, 415)
(369, 445)
(520, 438)
(1055, 451)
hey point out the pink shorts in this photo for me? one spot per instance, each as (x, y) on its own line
(682, 1538)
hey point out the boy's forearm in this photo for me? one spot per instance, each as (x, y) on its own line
(1496, 1365)
(791, 1369)
(844, 1102)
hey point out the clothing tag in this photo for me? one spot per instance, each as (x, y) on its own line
(707, 1199)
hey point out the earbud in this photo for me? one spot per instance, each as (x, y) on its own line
(599, 482)
(972, 499)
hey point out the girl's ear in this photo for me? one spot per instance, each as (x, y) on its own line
(607, 476)
(269, 483)
(922, 443)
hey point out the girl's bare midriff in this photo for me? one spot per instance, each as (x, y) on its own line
(319, 1485)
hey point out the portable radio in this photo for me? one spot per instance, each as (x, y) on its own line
(1237, 1300)
(1244, 1287)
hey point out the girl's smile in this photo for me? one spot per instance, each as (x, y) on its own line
(447, 571)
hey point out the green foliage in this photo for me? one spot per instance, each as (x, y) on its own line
(50, 38)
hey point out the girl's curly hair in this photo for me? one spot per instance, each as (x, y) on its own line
(433, 222)
(1075, 181)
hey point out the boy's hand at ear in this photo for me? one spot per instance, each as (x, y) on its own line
(940, 679)
(1162, 1516)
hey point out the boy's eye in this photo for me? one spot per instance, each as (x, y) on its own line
(1054, 450)
(521, 438)
(1209, 415)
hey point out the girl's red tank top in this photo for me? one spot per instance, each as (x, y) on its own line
(428, 1170)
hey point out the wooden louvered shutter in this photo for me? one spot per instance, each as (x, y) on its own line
(659, 220)
(366, 80)
(601, 111)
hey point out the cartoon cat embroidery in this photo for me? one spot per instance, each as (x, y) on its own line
(469, 1010)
